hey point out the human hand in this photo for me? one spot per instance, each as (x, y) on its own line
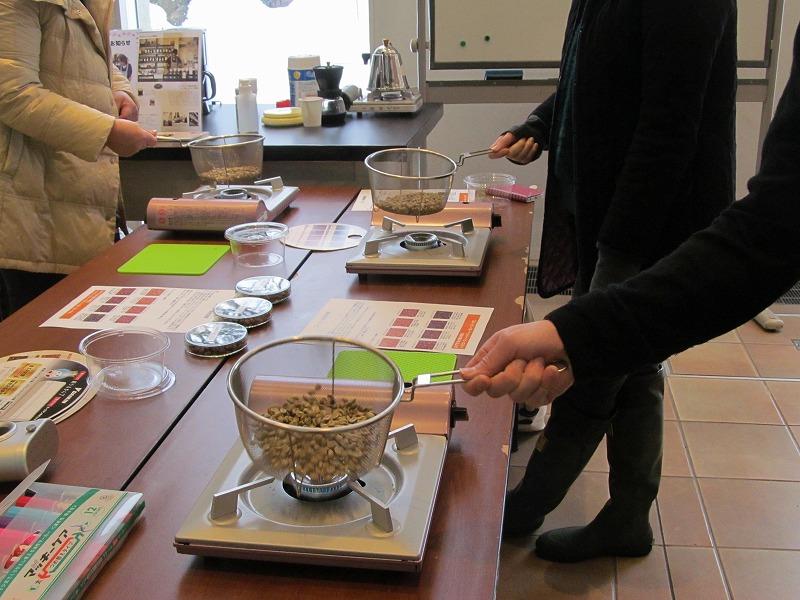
(127, 138)
(126, 107)
(522, 151)
(524, 361)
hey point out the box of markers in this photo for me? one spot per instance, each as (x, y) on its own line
(55, 538)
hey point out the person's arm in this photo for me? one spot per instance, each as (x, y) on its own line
(680, 39)
(26, 105)
(537, 125)
(717, 280)
(120, 83)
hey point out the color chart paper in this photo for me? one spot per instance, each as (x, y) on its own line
(403, 325)
(171, 310)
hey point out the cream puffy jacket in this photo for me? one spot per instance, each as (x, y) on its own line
(59, 185)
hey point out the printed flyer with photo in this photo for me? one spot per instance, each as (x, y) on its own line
(403, 325)
(165, 69)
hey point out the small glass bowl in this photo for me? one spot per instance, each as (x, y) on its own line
(257, 244)
(127, 363)
(481, 181)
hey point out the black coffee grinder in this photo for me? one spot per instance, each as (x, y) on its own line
(333, 107)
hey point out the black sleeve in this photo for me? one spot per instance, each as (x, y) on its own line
(537, 125)
(680, 39)
(718, 279)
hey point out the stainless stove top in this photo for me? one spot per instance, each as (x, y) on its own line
(456, 249)
(275, 196)
(267, 523)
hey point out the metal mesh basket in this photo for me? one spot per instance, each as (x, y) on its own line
(315, 383)
(410, 181)
(225, 159)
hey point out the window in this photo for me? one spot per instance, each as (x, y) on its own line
(254, 38)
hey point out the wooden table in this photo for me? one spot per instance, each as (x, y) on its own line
(107, 441)
(462, 554)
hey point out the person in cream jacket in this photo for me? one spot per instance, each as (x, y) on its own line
(66, 114)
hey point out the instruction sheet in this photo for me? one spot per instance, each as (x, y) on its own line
(403, 325)
(171, 310)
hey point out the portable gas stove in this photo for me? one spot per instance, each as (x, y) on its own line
(380, 521)
(275, 196)
(452, 242)
(215, 208)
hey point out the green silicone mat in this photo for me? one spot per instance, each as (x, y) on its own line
(365, 366)
(174, 259)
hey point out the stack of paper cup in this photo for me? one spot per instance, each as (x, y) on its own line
(301, 76)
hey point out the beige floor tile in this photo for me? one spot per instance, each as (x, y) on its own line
(538, 307)
(713, 359)
(682, 513)
(645, 577)
(738, 450)
(732, 337)
(745, 513)
(524, 576)
(768, 574)
(675, 462)
(785, 309)
(695, 574)
(599, 461)
(526, 442)
(752, 333)
(723, 400)
(775, 361)
(669, 405)
(796, 432)
(584, 500)
(787, 396)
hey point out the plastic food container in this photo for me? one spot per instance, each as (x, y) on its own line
(214, 340)
(258, 244)
(250, 312)
(270, 287)
(410, 181)
(127, 363)
(481, 181)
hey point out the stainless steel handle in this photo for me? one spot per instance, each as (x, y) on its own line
(466, 155)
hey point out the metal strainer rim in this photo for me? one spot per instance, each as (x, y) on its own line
(319, 430)
(374, 169)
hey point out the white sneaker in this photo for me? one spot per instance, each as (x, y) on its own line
(531, 420)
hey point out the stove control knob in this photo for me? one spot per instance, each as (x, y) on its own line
(457, 413)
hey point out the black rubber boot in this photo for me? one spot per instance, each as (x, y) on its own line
(563, 449)
(635, 441)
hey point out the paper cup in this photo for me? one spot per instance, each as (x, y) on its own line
(311, 110)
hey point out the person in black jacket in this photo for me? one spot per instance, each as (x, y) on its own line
(640, 134)
(749, 256)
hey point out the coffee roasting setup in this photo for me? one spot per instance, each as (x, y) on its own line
(341, 455)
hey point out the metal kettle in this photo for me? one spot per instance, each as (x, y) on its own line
(386, 77)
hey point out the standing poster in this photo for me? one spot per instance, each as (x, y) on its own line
(166, 74)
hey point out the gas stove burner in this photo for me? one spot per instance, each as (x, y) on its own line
(420, 240)
(233, 194)
(313, 492)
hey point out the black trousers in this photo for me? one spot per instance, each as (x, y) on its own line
(17, 288)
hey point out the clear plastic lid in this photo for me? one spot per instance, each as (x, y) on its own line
(270, 287)
(220, 338)
(247, 311)
(255, 233)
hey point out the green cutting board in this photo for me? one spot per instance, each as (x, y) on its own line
(174, 259)
(365, 366)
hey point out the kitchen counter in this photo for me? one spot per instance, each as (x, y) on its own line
(302, 156)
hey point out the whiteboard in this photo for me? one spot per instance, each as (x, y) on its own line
(481, 34)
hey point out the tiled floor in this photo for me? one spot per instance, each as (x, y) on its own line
(727, 518)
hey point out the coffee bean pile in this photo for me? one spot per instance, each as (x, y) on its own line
(321, 457)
